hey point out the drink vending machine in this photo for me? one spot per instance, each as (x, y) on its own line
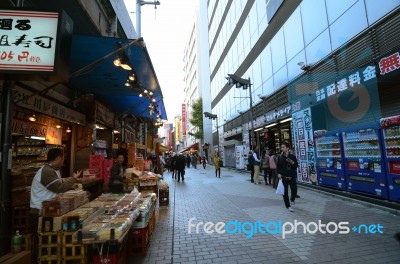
(391, 139)
(240, 157)
(365, 170)
(329, 157)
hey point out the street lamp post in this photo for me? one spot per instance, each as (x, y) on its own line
(244, 83)
(213, 117)
(139, 3)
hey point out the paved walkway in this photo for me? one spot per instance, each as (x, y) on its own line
(232, 197)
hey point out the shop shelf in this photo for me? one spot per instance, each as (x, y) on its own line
(49, 247)
(138, 241)
(20, 219)
(163, 197)
(49, 260)
(112, 258)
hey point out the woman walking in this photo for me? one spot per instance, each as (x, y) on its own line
(287, 165)
(265, 167)
(216, 165)
(273, 160)
(256, 164)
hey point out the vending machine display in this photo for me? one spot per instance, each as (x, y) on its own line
(391, 139)
(329, 157)
(365, 172)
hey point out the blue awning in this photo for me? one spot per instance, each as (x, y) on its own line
(93, 72)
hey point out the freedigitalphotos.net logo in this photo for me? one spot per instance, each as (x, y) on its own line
(249, 229)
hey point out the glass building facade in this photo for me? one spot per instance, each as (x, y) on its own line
(240, 41)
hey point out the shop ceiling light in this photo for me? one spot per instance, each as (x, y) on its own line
(116, 131)
(145, 91)
(127, 84)
(285, 120)
(140, 95)
(38, 138)
(117, 62)
(32, 118)
(126, 67)
(258, 129)
(271, 125)
(58, 126)
(151, 93)
(68, 130)
(131, 77)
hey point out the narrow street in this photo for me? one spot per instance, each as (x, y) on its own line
(232, 197)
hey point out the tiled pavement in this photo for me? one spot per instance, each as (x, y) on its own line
(233, 197)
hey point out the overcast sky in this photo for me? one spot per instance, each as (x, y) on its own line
(165, 32)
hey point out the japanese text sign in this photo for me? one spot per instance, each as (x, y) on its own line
(28, 40)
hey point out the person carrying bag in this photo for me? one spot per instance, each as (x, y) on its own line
(287, 166)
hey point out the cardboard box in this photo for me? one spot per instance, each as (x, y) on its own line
(54, 227)
(23, 257)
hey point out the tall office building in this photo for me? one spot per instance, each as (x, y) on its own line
(196, 76)
(306, 60)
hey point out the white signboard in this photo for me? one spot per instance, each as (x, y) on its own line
(28, 40)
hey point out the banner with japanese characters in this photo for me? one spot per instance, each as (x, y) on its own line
(389, 64)
(347, 98)
(28, 40)
(303, 141)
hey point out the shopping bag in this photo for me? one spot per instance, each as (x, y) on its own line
(280, 190)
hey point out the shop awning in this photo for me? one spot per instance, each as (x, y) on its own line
(163, 148)
(93, 72)
(195, 146)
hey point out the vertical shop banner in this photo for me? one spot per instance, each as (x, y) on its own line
(304, 144)
(184, 120)
(28, 40)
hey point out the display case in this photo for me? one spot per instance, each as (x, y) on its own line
(329, 157)
(365, 172)
(391, 139)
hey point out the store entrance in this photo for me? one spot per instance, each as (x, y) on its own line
(273, 137)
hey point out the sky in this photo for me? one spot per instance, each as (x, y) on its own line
(165, 31)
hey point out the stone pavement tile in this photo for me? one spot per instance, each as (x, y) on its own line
(234, 198)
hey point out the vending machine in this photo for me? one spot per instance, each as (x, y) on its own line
(391, 139)
(329, 158)
(240, 157)
(365, 170)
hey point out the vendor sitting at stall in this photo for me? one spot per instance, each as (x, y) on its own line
(115, 184)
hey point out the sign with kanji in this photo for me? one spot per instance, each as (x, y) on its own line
(184, 121)
(389, 64)
(303, 144)
(28, 40)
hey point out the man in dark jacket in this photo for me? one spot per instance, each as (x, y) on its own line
(251, 165)
(180, 167)
(287, 166)
(115, 184)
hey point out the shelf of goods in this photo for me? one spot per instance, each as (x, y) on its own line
(66, 238)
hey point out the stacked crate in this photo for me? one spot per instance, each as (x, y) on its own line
(20, 219)
(49, 248)
(163, 197)
(72, 253)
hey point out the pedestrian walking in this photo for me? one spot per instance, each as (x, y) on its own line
(173, 167)
(273, 161)
(251, 165)
(204, 161)
(188, 160)
(217, 160)
(256, 164)
(180, 167)
(265, 167)
(194, 161)
(287, 165)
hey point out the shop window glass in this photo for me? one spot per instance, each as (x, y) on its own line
(268, 86)
(337, 7)
(280, 78)
(278, 53)
(377, 9)
(313, 15)
(341, 32)
(293, 35)
(266, 62)
(293, 67)
(319, 48)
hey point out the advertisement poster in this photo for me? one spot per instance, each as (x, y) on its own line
(304, 145)
(53, 136)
